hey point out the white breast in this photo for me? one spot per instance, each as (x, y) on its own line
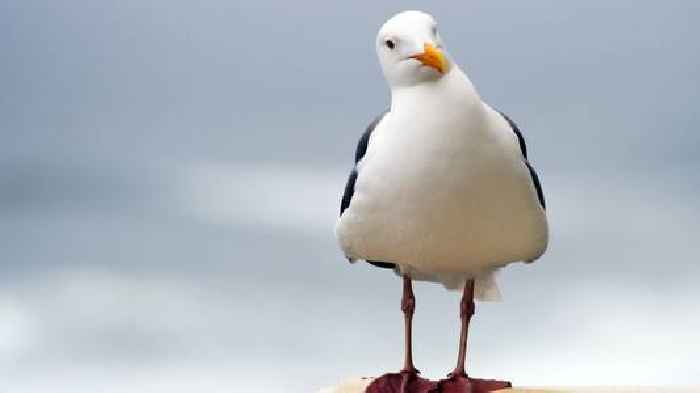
(443, 187)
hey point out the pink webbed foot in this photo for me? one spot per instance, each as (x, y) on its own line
(461, 383)
(401, 382)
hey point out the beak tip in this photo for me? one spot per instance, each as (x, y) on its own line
(432, 57)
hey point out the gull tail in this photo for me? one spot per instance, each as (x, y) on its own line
(485, 286)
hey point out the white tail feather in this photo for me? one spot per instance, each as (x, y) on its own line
(485, 286)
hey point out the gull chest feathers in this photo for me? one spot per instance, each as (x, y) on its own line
(438, 188)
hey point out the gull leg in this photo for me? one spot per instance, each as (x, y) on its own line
(466, 310)
(458, 381)
(408, 306)
(407, 380)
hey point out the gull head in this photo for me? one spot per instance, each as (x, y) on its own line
(410, 49)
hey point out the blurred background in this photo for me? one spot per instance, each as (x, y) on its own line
(170, 175)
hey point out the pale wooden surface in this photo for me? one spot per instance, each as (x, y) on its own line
(351, 386)
(359, 385)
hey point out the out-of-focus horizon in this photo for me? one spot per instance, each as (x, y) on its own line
(170, 177)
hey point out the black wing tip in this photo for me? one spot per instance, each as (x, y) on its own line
(382, 265)
(518, 134)
(523, 150)
(359, 154)
(349, 191)
(538, 186)
(364, 139)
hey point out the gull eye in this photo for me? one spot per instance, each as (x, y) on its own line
(390, 44)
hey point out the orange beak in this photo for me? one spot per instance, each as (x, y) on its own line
(432, 57)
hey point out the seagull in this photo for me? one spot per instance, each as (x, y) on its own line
(442, 189)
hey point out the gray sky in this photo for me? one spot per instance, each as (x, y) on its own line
(170, 176)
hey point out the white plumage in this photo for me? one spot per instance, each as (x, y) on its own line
(443, 190)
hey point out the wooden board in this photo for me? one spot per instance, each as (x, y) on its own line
(358, 385)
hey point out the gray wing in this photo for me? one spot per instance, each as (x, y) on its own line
(359, 153)
(350, 185)
(523, 149)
